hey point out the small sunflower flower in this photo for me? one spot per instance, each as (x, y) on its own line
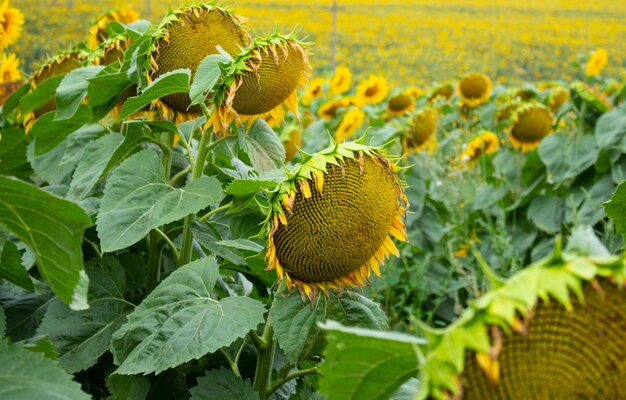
(557, 97)
(341, 80)
(400, 104)
(530, 124)
(421, 134)
(597, 62)
(314, 90)
(11, 22)
(415, 91)
(507, 110)
(331, 221)
(474, 89)
(373, 90)
(444, 90)
(485, 143)
(9, 68)
(352, 120)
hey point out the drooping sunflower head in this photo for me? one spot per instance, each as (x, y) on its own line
(507, 110)
(330, 221)
(400, 104)
(112, 49)
(421, 134)
(263, 77)
(184, 38)
(373, 90)
(557, 97)
(485, 143)
(529, 125)
(97, 33)
(555, 330)
(444, 90)
(581, 92)
(474, 89)
(11, 21)
(351, 121)
(341, 80)
(597, 62)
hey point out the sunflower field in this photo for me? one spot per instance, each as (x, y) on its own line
(408, 200)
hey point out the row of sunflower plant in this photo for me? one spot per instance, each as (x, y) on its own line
(154, 245)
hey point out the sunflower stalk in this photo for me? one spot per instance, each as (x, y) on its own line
(153, 270)
(265, 348)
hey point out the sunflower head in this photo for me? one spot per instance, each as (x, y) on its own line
(112, 49)
(11, 21)
(97, 33)
(474, 89)
(400, 104)
(555, 330)
(597, 62)
(329, 110)
(262, 77)
(529, 125)
(341, 80)
(373, 90)
(415, 91)
(524, 93)
(507, 110)
(330, 221)
(581, 92)
(557, 97)
(421, 134)
(184, 38)
(352, 120)
(444, 90)
(9, 68)
(485, 143)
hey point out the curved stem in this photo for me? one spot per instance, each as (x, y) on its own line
(215, 211)
(279, 382)
(168, 241)
(179, 175)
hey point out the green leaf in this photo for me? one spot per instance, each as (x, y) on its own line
(107, 88)
(137, 198)
(42, 94)
(222, 384)
(11, 267)
(206, 76)
(53, 228)
(128, 387)
(180, 321)
(13, 101)
(407, 391)
(72, 91)
(23, 310)
(615, 208)
(547, 212)
(247, 187)
(57, 165)
(96, 156)
(44, 347)
(132, 143)
(176, 81)
(81, 337)
(49, 133)
(26, 375)
(366, 364)
(3, 323)
(263, 147)
(566, 158)
(295, 322)
(610, 130)
(13, 144)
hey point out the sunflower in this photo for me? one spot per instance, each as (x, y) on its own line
(507, 110)
(421, 134)
(557, 97)
(329, 110)
(331, 220)
(474, 89)
(183, 39)
(341, 80)
(400, 104)
(314, 90)
(373, 90)
(97, 33)
(555, 330)
(529, 125)
(525, 93)
(415, 91)
(444, 90)
(112, 49)
(352, 120)
(590, 95)
(9, 68)
(292, 141)
(263, 77)
(597, 62)
(485, 143)
(11, 21)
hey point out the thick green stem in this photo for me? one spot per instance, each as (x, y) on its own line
(278, 383)
(264, 363)
(196, 172)
(153, 270)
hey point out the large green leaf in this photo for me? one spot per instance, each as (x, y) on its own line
(566, 157)
(50, 133)
(295, 322)
(24, 310)
(137, 198)
(26, 375)
(72, 91)
(263, 147)
(611, 130)
(42, 94)
(81, 337)
(181, 321)
(176, 81)
(366, 364)
(106, 88)
(133, 139)
(53, 228)
(222, 384)
(13, 144)
(547, 212)
(11, 267)
(615, 208)
(96, 157)
(205, 78)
